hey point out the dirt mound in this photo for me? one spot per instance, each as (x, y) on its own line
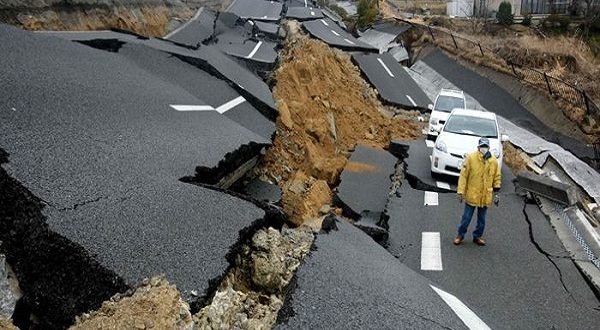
(325, 109)
(154, 305)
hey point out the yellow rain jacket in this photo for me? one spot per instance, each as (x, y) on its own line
(478, 178)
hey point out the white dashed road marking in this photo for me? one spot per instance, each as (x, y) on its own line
(335, 33)
(443, 185)
(429, 143)
(254, 50)
(323, 21)
(431, 251)
(411, 100)
(221, 109)
(430, 199)
(469, 318)
(385, 67)
(349, 41)
(192, 107)
(231, 104)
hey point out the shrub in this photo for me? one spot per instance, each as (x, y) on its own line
(367, 13)
(556, 23)
(504, 15)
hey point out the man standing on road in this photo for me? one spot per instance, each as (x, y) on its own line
(479, 179)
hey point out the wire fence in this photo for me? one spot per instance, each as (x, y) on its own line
(555, 87)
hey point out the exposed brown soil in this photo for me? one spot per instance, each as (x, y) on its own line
(148, 21)
(512, 157)
(360, 167)
(325, 109)
(154, 305)
(7, 325)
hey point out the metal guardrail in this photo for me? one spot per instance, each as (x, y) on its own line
(556, 87)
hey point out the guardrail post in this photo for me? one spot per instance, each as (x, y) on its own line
(431, 32)
(587, 102)
(548, 83)
(480, 49)
(512, 65)
(455, 45)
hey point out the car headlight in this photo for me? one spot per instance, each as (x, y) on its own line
(441, 146)
(496, 153)
(433, 121)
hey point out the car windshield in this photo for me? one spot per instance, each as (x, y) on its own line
(448, 103)
(471, 126)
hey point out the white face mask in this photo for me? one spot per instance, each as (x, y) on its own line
(484, 150)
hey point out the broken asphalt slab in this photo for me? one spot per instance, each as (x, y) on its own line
(261, 10)
(364, 188)
(350, 282)
(215, 92)
(495, 99)
(523, 278)
(303, 13)
(331, 33)
(94, 158)
(238, 41)
(195, 31)
(206, 57)
(394, 85)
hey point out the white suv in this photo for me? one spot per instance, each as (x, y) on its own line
(446, 101)
(460, 136)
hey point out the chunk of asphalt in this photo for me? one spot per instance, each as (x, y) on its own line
(394, 84)
(262, 191)
(257, 10)
(93, 163)
(216, 92)
(195, 31)
(206, 57)
(547, 187)
(350, 282)
(418, 166)
(303, 13)
(270, 29)
(364, 187)
(332, 34)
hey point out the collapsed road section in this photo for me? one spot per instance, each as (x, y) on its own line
(94, 202)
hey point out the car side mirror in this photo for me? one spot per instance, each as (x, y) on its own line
(430, 107)
(504, 138)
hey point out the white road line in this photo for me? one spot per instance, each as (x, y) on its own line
(385, 67)
(312, 13)
(305, 4)
(349, 41)
(430, 198)
(192, 107)
(443, 185)
(185, 24)
(431, 251)
(323, 21)
(469, 318)
(429, 143)
(231, 104)
(337, 34)
(411, 100)
(254, 50)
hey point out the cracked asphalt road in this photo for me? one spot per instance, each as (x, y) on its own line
(94, 138)
(523, 278)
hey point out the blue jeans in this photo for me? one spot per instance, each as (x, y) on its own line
(466, 220)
